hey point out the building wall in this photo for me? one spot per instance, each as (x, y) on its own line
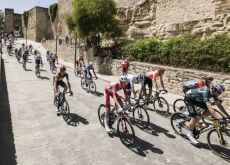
(64, 9)
(9, 20)
(39, 25)
(43, 24)
(18, 21)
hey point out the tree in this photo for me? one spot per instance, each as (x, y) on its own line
(95, 16)
(1, 20)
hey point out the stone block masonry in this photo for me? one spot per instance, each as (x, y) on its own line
(39, 25)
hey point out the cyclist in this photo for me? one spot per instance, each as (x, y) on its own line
(80, 61)
(111, 91)
(200, 97)
(38, 59)
(203, 81)
(86, 71)
(9, 48)
(25, 55)
(134, 79)
(152, 76)
(23, 46)
(30, 48)
(58, 80)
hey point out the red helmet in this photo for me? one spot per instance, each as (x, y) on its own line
(62, 68)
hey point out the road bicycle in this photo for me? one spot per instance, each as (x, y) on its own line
(160, 104)
(124, 126)
(63, 106)
(218, 136)
(88, 84)
(140, 116)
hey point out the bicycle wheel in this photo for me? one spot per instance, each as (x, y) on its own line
(101, 114)
(65, 110)
(141, 117)
(92, 87)
(83, 83)
(219, 147)
(178, 122)
(161, 105)
(178, 104)
(125, 131)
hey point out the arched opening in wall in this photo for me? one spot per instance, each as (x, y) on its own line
(16, 28)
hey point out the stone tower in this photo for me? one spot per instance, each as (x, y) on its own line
(9, 20)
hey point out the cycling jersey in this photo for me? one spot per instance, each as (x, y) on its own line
(133, 79)
(191, 84)
(60, 77)
(89, 67)
(201, 95)
(38, 57)
(153, 75)
(110, 91)
(125, 63)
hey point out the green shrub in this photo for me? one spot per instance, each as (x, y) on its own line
(186, 51)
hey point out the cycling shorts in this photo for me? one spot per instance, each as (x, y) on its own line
(148, 82)
(107, 96)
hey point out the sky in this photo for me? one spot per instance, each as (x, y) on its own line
(20, 6)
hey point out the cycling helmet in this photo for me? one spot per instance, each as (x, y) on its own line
(161, 70)
(218, 87)
(141, 77)
(62, 68)
(123, 79)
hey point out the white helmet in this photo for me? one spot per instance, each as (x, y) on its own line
(123, 79)
(218, 87)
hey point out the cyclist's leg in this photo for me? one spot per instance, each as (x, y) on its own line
(107, 105)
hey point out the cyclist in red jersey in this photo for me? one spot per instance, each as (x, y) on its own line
(111, 91)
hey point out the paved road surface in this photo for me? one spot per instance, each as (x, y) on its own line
(32, 134)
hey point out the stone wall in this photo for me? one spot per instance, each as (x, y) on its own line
(67, 52)
(39, 25)
(18, 21)
(64, 9)
(178, 11)
(165, 18)
(43, 24)
(174, 77)
(9, 20)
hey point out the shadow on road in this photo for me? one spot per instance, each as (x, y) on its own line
(75, 119)
(154, 129)
(28, 70)
(98, 94)
(7, 146)
(44, 78)
(142, 148)
(43, 70)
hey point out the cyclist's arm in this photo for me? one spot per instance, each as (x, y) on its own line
(94, 73)
(223, 110)
(69, 86)
(68, 83)
(155, 81)
(162, 82)
(116, 101)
